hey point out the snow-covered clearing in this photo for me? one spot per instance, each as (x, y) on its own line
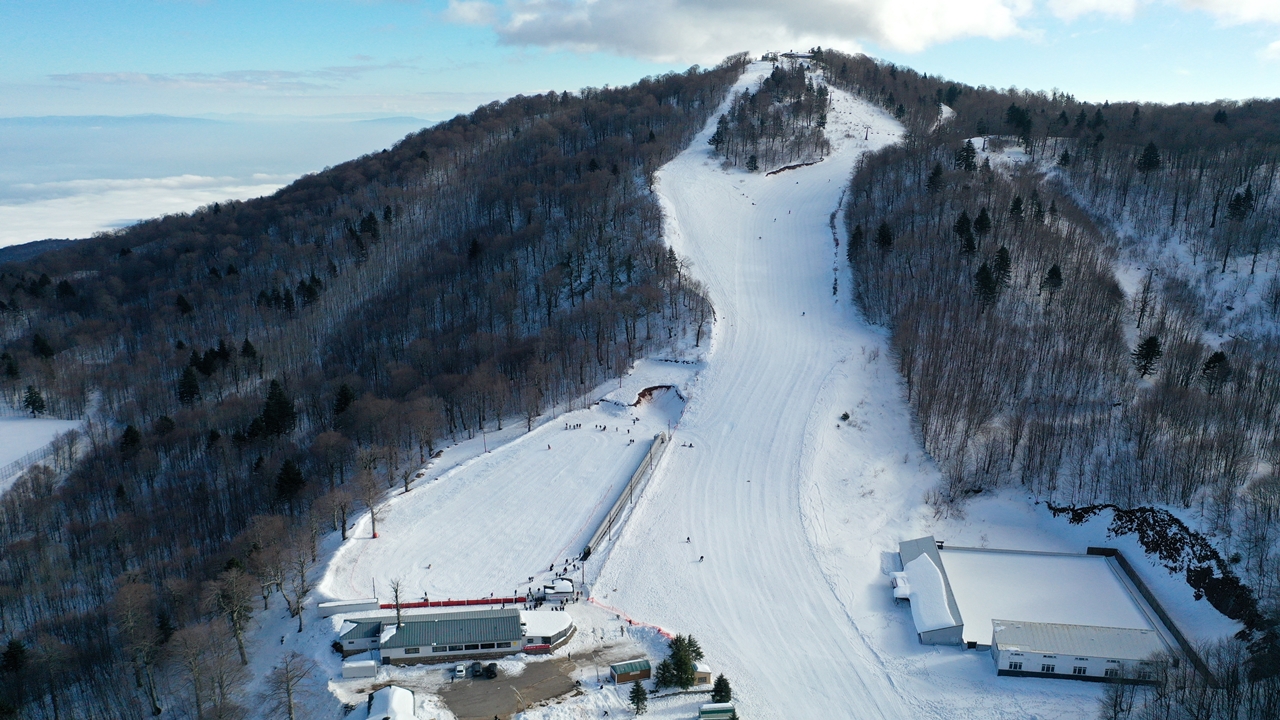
(791, 512)
(21, 435)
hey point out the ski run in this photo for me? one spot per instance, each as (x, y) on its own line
(766, 527)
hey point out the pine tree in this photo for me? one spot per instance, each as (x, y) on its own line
(753, 164)
(11, 370)
(1064, 160)
(982, 223)
(665, 676)
(289, 481)
(1215, 372)
(985, 286)
(721, 692)
(278, 416)
(1149, 162)
(639, 698)
(1052, 282)
(33, 401)
(855, 242)
(41, 347)
(934, 183)
(964, 228)
(183, 305)
(1146, 356)
(247, 350)
(345, 397)
(14, 658)
(1015, 209)
(130, 440)
(1001, 268)
(188, 387)
(967, 157)
(884, 236)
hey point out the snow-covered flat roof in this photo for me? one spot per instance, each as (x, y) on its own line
(544, 623)
(1085, 640)
(392, 703)
(1037, 588)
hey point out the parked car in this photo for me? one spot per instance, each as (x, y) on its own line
(460, 671)
(491, 670)
(477, 669)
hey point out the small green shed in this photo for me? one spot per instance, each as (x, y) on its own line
(630, 671)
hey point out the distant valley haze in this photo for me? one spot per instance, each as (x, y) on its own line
(114, 113)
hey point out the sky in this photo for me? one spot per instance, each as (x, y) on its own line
(115, 111)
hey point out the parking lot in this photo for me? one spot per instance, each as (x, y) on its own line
(503, 696)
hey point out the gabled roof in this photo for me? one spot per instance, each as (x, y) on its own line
(1082, 640)
(457, 628)
(630, 666)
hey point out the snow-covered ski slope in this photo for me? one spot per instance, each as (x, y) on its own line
(760, 603)
(487, 525)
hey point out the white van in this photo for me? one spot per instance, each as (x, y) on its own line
(460, 671)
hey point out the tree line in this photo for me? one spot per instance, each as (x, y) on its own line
(1026, 362)
(258, 370)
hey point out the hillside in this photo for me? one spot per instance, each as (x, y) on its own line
(250, 360)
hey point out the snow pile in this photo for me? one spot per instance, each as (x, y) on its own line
(928, 595)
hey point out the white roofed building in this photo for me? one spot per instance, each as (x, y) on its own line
(1079, 652)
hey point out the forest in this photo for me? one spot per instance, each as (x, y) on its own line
(993, 245)
(253, 372)
(781, 122)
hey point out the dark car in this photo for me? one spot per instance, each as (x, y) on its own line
(477, 669)
(491, 670)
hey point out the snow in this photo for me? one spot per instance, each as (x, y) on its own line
(794, 512)
(1063, 589)
(928, 596)
(391, 703)
(22, 435)
(494, 522)
(543, 623)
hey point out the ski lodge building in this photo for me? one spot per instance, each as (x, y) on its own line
(1041, 614)
(448, 636)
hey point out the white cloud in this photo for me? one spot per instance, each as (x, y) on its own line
(1072, 9)
(1238, 11)
(83, 207)
(707, 30)
(1271, 52)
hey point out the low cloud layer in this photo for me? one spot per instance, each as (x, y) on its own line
(706, 30)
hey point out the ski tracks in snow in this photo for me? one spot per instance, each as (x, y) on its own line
(760, 603)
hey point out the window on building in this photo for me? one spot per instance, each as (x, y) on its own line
(412, 651)
(1146, 674)
(1046, 657)
(1016, 654)
(1046, 668)
(1111, 672)
(1016, 665)
(503, 645)
(1082, 659)
(440, 648)
(486, 646)
(1113, 662)
(1079, 670)
(455, 648)
(473, 646)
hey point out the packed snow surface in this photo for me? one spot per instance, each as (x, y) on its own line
(929, 608)
(488, 526)
(1065, 589)
(22, 435)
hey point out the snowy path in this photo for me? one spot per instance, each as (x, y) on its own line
(760, 603)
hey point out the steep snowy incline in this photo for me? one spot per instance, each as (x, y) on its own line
(759, 603)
